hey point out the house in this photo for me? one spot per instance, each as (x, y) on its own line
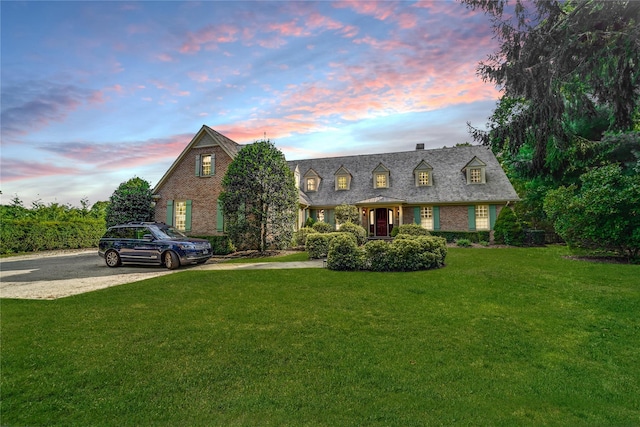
(449, 189)
(187, 194)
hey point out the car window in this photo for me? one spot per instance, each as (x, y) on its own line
(168, 233)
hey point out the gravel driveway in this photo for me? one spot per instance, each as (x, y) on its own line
(58, 274)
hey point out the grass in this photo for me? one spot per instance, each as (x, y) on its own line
(292, 257)
(497, 337)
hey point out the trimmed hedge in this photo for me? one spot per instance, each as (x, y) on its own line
(472, 236)
(411, 229)
(344, 253)
(323, 227)
(300, 236)
(220, 245)
(34, 235)
(358, 231)
(318, 244)
(405, 253)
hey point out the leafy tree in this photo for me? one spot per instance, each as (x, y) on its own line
(131, 201)
(347, 213)
(260, 200)
(603, 213)
(560, 64)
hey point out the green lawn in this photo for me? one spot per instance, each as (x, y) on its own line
(498, 337)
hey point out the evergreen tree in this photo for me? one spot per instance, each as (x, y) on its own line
(131, 201)
(259, 198)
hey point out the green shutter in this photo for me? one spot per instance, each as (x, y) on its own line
(187, 222)
(219, 217)
(472, 218)
(169, 212)
(416, 215)
(436, 217)
(213, 164)
(331, 217)
(492, 216)
(314, 214)
(197, 164)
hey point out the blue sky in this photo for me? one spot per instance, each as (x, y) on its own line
(94, 93)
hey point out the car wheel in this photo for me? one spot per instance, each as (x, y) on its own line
(112, 258)
(171, 260)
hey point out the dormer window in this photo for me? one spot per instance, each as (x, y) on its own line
(343, 179)
(381, 177)
(311, 181)
(475, 171)
(423, 174)
(311, 184)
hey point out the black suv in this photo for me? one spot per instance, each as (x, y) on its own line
(151, 243)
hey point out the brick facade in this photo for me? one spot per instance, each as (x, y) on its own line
(183, 184)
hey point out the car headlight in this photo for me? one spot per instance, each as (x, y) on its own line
(187, 246)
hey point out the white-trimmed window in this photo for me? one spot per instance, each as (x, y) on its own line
(311, 184)
(311, 180)
(205, 165)
(381, 177)
(343, 179)
(475, 175)
(475, 171)
(426, 217)
(180, 215)
(423, 174)
(343, 182)
(482, 217)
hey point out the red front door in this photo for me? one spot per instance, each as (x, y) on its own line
(382, 222)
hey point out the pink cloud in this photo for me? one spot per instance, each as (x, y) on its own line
(36, 104)
(209, 37)
(379, 10)
(17, 169)
(164, 57)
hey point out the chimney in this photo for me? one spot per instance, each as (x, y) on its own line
(419, 146)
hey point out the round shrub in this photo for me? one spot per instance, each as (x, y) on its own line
(377, 256)
(300, 236)
(344, 253)
(359, 232)
(508, 230)
(317, 245)
(411, 229)
(322, 227)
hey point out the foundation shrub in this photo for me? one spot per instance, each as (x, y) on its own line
(317, 245)
(406, 253)
(220, 245)
(412, 229)
(300, 236)
(377, 256)
(344, 253)
(358, 231)
(472, 236)
(508, 230)
(322, 227)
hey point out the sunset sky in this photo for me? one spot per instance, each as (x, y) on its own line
(97, 92)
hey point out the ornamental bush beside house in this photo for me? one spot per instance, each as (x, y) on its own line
(344, 253)
(405, 253)
(508, 229)
(300, 236)
(322, 227)
(317, 245)
(358, 231)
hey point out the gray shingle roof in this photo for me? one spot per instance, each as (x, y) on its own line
(449, 182)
